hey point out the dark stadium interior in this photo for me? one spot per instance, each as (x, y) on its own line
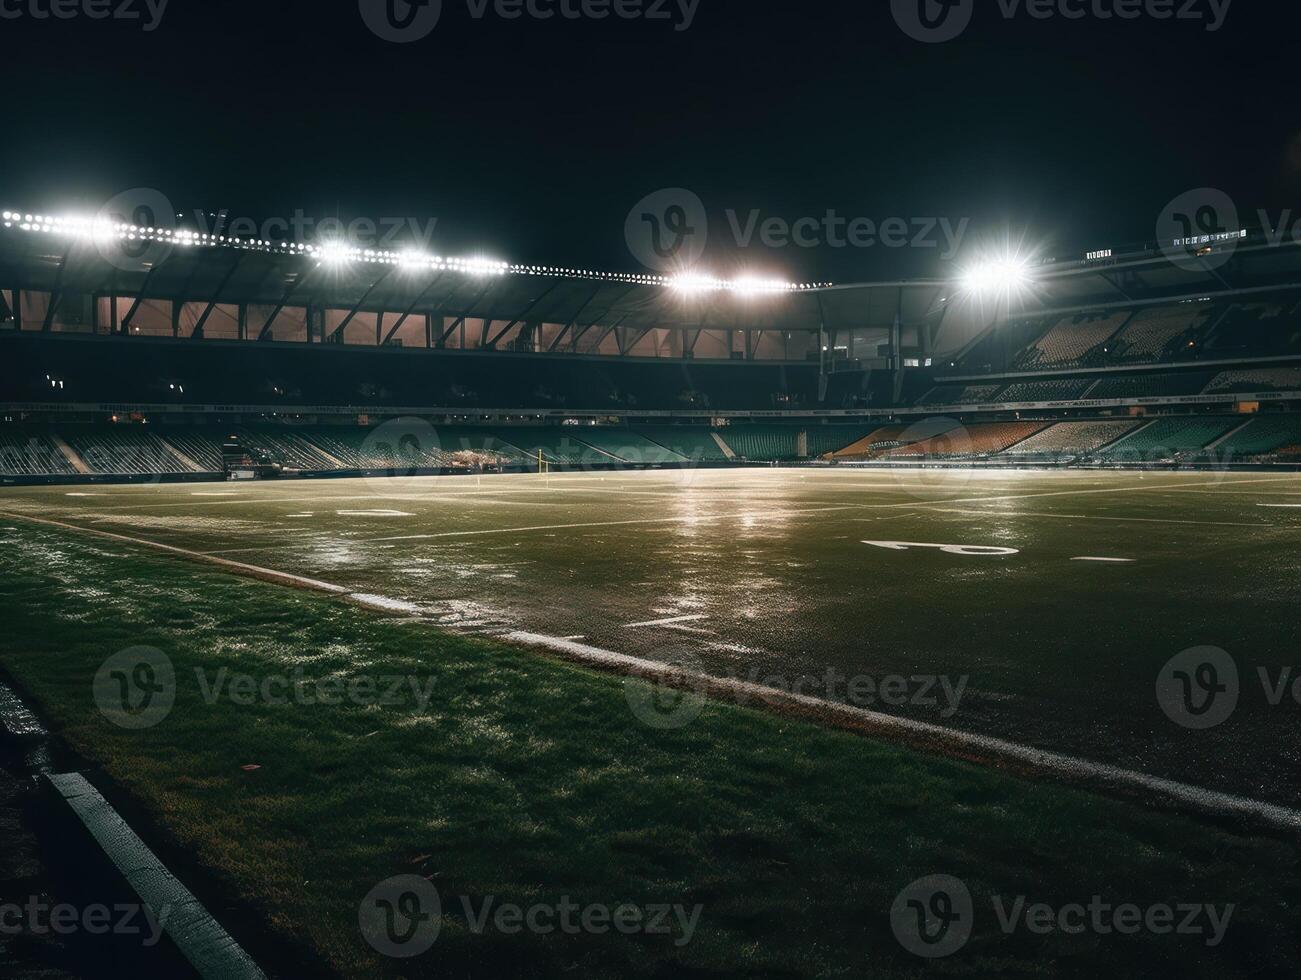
(649, 490)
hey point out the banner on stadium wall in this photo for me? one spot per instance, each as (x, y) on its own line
(850, 413)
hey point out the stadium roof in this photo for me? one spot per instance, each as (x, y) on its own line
(64, 255)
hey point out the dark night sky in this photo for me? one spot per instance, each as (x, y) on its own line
(532, 139)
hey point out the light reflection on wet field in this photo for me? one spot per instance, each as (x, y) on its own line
(764, 575)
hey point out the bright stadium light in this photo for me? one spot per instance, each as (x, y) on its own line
(750, 286)
(334, 253)
(1010, 275)
(694, 283)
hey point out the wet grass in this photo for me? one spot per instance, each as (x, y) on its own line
(533, 781)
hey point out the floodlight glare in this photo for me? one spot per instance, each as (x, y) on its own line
(334, 253)
(998, 276)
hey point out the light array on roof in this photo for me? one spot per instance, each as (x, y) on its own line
(341, 253)
(1003, 275)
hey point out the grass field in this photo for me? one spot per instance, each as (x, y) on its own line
(764, 575)
(526, 781)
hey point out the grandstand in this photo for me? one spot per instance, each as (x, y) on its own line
(1147, 385)
(977, 441)
(1158, 333)
(1068, 441)
(1165, 440)
(1069, 341)
(110, 377)
(1256, 380)
(1062, 389)
(1263, 437)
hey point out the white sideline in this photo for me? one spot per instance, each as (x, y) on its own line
(1094, 773)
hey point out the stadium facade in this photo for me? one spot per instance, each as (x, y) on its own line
(134, 352)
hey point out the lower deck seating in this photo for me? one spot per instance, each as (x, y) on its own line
(691, 442)
(29, 452)
(1167, 439)
(627, 445)
(825, 439)
(888, 437)
(762, 442)
(201, 447)
(1262, 379)
(1070, 440)
(292, 449)
(978, 440)
(555, 444)
(125, 451)
(1264, 435)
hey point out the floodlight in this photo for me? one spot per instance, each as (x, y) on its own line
(1008, 275)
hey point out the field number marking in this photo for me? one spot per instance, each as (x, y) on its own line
(968, 550)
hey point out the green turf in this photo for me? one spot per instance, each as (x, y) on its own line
(532, 780)
(772, 568)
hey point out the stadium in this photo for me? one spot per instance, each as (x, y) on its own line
(649, 491)
(714, 488)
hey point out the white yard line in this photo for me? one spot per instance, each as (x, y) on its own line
(666, 622)
(1090, 517)
(1096, 774)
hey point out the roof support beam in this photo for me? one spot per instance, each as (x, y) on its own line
(135, 304)
(437, 277)
(338, 331)
(57, 293)
(461, 319)
(197, 332)
(523, 316)
(284, 301)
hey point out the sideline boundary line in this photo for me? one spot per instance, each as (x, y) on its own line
(936, 739)
(950, 742)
